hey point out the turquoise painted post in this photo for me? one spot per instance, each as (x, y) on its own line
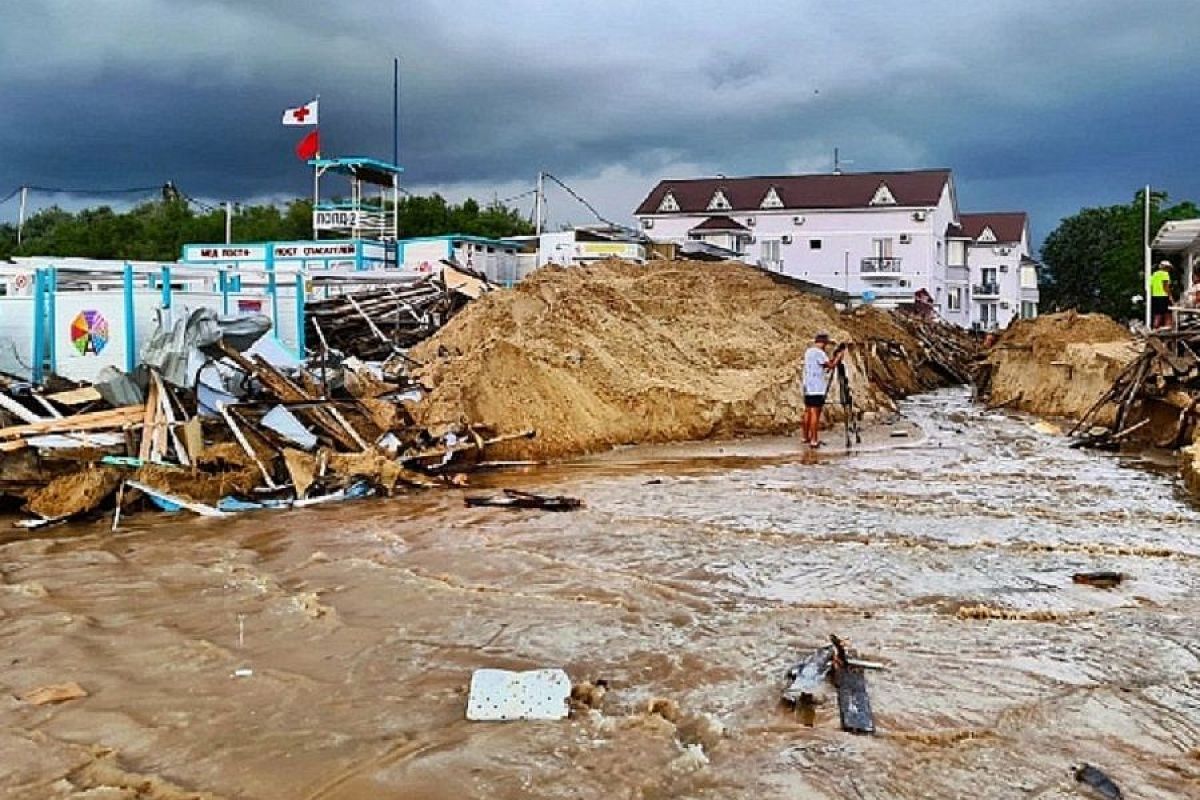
(131, 353)
(223, 284)
(358, 255)
(51, 312)
(272, 289)
(166, 286)
(39, 325)
(300, 303)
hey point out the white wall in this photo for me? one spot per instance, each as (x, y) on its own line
(16, 336)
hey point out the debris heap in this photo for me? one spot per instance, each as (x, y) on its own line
(220, 419)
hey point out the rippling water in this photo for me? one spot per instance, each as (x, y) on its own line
(695, 575)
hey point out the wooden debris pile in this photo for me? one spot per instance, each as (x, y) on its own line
(294, 437)
(375, 323)
(1166, 375)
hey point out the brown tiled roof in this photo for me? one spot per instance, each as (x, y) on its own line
(799, 192)
(720, 224)
(1008, 226)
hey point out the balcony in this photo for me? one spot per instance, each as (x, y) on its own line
(885, 266)
(981, 291)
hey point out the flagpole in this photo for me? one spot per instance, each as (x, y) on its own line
(396, 111)
(317, 172)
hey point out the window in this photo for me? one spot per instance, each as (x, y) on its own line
(669, 203)
(987, 276)
(1028, 309)
(814, 244)
(881, 248)
(957, 253)
(770, 250)
(954, 299)
(988, 235)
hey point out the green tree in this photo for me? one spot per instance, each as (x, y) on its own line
(1094, 259)
(157, 231)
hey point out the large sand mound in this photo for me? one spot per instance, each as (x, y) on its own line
(621, 353)
(1058, 364)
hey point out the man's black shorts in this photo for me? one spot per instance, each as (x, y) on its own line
(1160, 305)
(814, 400)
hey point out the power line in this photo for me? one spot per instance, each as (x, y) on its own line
(508, 200)
(589, 206)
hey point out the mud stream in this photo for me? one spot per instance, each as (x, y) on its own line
(695, 575)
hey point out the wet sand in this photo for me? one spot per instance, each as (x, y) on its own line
(696, 574)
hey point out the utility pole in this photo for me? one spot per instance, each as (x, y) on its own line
(21, 214)
(228, 222)
(540, 204)
(1147, 255)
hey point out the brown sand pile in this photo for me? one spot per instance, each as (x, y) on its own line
(621, 353)
(1058, 364)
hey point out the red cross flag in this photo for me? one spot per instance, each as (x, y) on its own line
(304, 115)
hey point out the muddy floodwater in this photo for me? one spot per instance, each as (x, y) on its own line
(695, 576)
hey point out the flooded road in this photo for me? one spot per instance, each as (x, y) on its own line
(696, 575)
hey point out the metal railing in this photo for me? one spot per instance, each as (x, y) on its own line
(881, 265)
(986, 290)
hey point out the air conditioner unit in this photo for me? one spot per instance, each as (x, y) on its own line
(903, 283)
(1004, 267)
(906, 238)
(786, 238)
(750, 221)
(647, 224)
(753, 239)
(1004, 304)
(1002, 251)
(798, 220)
(919, 216)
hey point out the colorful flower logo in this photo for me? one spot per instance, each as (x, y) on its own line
(89, 332)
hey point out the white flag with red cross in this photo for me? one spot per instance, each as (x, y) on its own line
(304, 115)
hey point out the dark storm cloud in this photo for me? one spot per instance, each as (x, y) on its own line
(1045, 106)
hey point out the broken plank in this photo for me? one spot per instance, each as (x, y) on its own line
(113, 418)
(245, 445)
(76, 397)
(19, 411)
(854, 704)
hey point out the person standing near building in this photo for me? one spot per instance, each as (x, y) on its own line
(1160, 296)
(818, 367)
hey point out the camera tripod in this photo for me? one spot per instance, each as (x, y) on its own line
(847, 402)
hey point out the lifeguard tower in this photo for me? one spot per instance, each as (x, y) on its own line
(370, 210)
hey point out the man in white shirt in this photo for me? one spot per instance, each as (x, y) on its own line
(818, 366)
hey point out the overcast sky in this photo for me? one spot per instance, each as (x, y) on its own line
(1044, 105)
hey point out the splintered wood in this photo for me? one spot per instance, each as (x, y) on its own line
(1166, 371)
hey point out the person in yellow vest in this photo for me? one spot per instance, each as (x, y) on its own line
(1160, 296)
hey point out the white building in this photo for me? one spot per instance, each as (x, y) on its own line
(879, 237)
(1000, 277)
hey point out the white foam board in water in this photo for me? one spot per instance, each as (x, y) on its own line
(500, 695)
